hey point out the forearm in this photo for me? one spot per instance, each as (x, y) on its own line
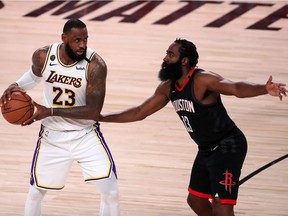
(129, 115)
(137, 113)
(81, 112)
(245, 89)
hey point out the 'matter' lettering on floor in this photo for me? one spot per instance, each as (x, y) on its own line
(141, 8)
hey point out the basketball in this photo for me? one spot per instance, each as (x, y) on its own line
(18, 109)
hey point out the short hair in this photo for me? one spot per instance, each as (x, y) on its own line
(73, 23)
(188, 49)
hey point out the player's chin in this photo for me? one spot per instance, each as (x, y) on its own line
(81, 57)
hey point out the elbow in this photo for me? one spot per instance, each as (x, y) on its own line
(96, 118)
(93, 115)
(138, 115)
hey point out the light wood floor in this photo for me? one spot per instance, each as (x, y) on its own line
(153, 157)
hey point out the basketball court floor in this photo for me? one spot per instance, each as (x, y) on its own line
(241, 40)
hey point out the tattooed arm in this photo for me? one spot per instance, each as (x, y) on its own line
(95, 94)
(96, 87)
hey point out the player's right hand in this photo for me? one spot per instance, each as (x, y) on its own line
(7, 93)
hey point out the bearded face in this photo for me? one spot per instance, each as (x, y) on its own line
(73, 55)
(172, 71)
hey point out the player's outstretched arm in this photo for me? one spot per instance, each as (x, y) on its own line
(241, 89)
(154, 103)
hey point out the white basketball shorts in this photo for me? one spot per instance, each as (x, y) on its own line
(56, 151)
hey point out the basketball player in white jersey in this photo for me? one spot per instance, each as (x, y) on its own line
(74, 91)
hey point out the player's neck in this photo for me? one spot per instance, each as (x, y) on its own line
(64, 58)
(185, 74)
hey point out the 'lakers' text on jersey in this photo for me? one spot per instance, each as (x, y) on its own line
(206, 124)
(55, 77)
(65, 87)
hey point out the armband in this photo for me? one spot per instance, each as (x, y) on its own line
(28, 80)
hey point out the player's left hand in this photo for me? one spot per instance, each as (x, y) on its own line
(276, 89)
(40, 113)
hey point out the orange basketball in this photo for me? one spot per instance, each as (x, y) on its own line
(18, 109)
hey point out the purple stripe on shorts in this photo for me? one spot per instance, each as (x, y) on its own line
(100, 135)
(32, 174)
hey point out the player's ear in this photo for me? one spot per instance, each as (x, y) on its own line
(185, 61)
(64, 37)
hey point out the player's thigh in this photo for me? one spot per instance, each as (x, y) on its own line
(199, 184)
(51, 164)
(94, 157)
(225, 169)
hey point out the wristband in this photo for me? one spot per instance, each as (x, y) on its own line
(28, 80)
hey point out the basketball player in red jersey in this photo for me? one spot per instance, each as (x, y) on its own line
(74, 90)
(195, 95)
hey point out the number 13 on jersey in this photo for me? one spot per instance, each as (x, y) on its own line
(186, 123)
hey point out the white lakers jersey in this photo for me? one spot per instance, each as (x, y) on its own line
(65, 87)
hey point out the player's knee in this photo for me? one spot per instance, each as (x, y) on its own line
(189, 200)
(221, 210)
(199, 205)
(192, 201)
(111, 196)
(36, 194)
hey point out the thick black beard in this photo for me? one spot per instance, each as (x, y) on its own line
(172, 71)
(72, 55)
